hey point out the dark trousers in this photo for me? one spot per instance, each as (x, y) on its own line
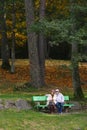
(51, 107)
(59, 107)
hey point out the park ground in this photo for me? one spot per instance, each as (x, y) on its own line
(58, 75)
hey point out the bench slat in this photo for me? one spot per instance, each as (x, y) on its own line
(66, 98)
(39, 101)
(39, 98)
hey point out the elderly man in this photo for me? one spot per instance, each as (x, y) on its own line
(58, 100)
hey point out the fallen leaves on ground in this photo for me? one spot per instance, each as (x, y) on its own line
(54, 75)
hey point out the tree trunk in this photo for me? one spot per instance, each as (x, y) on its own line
(74, 59)
(32, 46)
(75, 73)
(4, 47)
(41, 46)
(84, 52)
(13, 39)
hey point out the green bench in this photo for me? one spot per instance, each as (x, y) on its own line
(67, 103)
(40, 102)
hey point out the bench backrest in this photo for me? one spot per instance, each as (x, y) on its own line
(66, 98)
(44, 98)
(39, 98)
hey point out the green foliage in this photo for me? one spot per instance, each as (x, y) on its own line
(55, 29)
(60, 30)
(66, 29)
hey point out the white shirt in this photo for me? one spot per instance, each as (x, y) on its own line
(49, 98)
(58, 98)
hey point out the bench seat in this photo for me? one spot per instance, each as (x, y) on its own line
(67, 103)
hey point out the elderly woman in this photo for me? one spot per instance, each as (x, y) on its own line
(50, 101)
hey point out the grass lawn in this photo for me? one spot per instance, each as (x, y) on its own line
(31, 120)
(14, 119)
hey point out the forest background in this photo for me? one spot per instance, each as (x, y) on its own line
(54, 10)
(14, 21)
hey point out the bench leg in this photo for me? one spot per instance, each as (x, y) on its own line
(66, 109)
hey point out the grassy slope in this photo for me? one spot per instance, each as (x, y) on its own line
(30, 120)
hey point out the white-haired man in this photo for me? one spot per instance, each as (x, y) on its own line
(58, 100)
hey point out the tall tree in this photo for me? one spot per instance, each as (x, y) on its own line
(41, 49)
(73, 30)
(32, 46)
(74, 58)
(13, 38)
(4, 47)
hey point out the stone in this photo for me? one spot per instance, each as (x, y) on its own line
(22, 104)
(77, 105)
(1, 106)
(1, 101)
(10, 104)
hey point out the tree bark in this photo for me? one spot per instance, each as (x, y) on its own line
(78, 93)
(41, 49)
(13, 39)
(75, 73)
(32, 46)
(4, 47)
